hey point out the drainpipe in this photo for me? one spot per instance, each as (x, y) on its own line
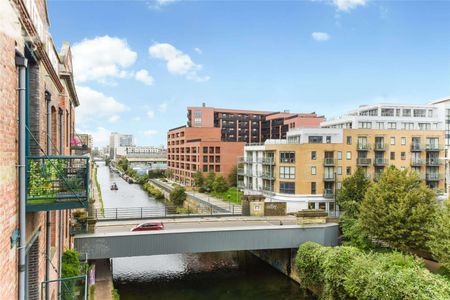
(60, 215)
(21, 63)
(48, 98)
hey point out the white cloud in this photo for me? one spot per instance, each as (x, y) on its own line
(177, 62)
(163, 107)
(113, 118)
(198, 50)
(151, 114)
(144, 76)
(320, 36)
(136, 119)
(100, 135)
(347, 5)
(151, 132)
(157, 4)
(95, 105)
(102, 59)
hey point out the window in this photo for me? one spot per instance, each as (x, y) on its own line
(287, 157)
(387, 112)
(392, 140)
(315, 139)
(365, 125)
(419, 113)
(424, 126)
(392, 155)
(197, 118)
(407, 126)
(328, 139)
(339, 155)
(339, 185)
(430, 113)
(392, 125)
(406, 112)
(205, 168)
(348, 171)
(339, 170)
(403, 155)
(287, 187)
(349, 155)
(313, 188)
(313, 155)
(349, 140)
(313, 170)
(380, 125)
(287, 172)
(403, 140)
(205, 149)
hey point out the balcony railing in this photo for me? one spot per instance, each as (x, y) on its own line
(417, 147)
(363, 147)
(329, 161)
(57, 182)
(434, 162)
(268, 161)
(241, 172)
(433, 177)
(433, 147)
(380, 162)
(364, 161)
(328, 193)
(328, 177)
(417, 162)
(380, 147)
(267, 175)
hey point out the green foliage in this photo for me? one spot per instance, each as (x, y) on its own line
(399, 210)
(352, 193)
(123, 164)
(169, 173)
(232, 177)
(209, 181)
(439, 244)
(184, 210)
(99, 191)
(71, 263)
(348, 273)
(154, 192)
(353, 234)
(235, 195)
(199, 180)
(178, 195)
(220, 185)
(156, 174)
(115, 294)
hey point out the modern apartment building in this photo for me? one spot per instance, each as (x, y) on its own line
(306, 169)
(36, 121)
(214, 138)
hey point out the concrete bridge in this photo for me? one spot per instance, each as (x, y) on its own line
(196, 236)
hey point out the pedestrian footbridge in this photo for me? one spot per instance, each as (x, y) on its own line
(103, 245)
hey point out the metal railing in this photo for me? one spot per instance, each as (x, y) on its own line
(381, 162)
(328, 193)
(433, 177)
(328, 161)
(167, 212)
(380, 146)
(433, 147)
(433, 162)
(363, 161)
(417, 162)
(363, 147)
(417, 147)
(72, 288)
(328, 177)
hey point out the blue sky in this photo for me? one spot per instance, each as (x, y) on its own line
(138, 64)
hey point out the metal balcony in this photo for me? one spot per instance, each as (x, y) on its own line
(417, 148)
(329, 162)
(328, 177)
(364, 162)
(417, 162)
(241, 172)
(57, 182)
(433, 162)
(380, 147)
(380, 162)
(267, 175)
(328, 193)
(433, 177)
(268, 161)
(433, 147)
(363, 147)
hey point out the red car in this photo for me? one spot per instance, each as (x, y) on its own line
(154, 225)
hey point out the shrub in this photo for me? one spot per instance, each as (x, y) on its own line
(220, 185)
(439, 243)
(178, 195)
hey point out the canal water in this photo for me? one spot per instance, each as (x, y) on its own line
(201, 276)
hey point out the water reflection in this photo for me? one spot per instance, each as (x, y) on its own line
(222, 275)
(128, 195)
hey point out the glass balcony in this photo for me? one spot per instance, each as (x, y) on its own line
(380, 147)
(364, 162)
(240, 172)
(434, 162)
(328, 193)
(267, 175)
(433, 147)
(57, 182)
(268, 161)
(329, 161)
(417, 162)
(380, 162)
(433, 177)
(363, 147)
(328, 177)
(416, 148)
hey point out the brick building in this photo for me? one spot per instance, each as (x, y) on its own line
(214, 138)
(48, 90)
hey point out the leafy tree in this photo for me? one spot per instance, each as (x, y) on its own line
(232, 177)
(156, 174)
(439, 243)
(399, 210)
(178, 195)
(169, 173)
(209, 181)
(352, 193)
(199, 180)
(123, 164)
(220, 184)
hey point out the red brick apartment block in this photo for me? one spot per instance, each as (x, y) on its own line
(214, 138)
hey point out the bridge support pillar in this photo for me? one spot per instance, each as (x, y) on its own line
(281, 259)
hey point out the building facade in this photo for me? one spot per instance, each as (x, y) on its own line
(214, 138)
(34, 224)
(118, 144)
(308, 168)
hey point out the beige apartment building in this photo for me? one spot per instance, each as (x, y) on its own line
(308, 168)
